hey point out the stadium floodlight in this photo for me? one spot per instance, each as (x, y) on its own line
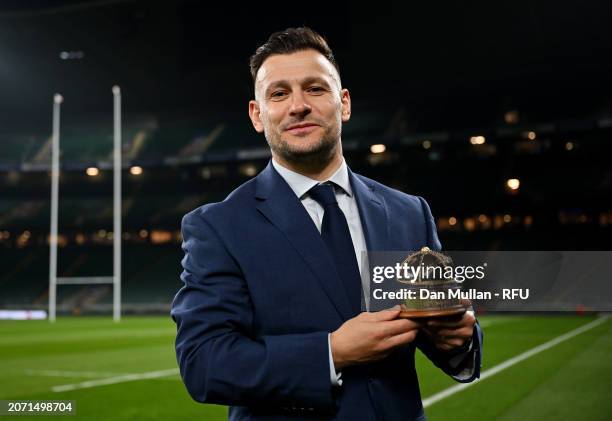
(115, 280)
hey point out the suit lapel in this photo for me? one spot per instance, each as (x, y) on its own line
(373, 214)
(279, 204)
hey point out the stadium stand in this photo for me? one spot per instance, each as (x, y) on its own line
(563, 201)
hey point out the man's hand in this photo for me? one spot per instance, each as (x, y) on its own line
(370, 337)
(450, 333)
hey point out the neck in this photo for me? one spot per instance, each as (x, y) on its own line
(317, 171)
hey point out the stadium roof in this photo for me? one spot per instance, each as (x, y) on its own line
(461, 65)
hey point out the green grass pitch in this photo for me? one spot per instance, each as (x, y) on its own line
(572, 380)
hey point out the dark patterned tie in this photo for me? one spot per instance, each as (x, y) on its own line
(336, 235)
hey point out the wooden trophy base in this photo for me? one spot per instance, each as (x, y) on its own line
(425, 314)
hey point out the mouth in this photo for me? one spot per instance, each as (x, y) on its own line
(302, 128)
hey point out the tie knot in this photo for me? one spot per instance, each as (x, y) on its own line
(324, 194)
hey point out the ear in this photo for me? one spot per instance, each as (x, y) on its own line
(255, 116)
(346, 105)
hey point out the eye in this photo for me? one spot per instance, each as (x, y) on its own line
(277, 94)
(316, 89)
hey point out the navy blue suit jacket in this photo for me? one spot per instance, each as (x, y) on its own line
(260, 296)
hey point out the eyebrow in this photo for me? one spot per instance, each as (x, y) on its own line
(285, 83)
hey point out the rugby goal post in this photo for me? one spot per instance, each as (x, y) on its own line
(115, 279)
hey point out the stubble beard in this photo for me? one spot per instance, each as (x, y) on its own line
(319, 155)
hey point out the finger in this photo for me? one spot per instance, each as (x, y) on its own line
(455, 342)
(383, 315)
(395, 327)
(401, 339)
(443, 346)
(452, 333)
(449, 344)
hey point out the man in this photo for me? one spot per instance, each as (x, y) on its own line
(270, 318)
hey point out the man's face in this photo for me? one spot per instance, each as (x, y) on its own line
(300, 106)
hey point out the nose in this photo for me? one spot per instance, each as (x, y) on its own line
(299, 106)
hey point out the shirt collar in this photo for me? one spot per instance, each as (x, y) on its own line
(300, 184)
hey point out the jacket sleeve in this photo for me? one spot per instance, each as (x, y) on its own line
(469, 368)
(221, 360)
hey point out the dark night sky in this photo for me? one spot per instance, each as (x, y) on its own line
(450, 64)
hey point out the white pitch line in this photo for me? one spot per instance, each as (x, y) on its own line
(59, 373)
(512, 361)
(114, 380)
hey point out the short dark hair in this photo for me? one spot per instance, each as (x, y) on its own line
(289, 41)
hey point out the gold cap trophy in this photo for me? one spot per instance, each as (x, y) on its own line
(433, 304)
